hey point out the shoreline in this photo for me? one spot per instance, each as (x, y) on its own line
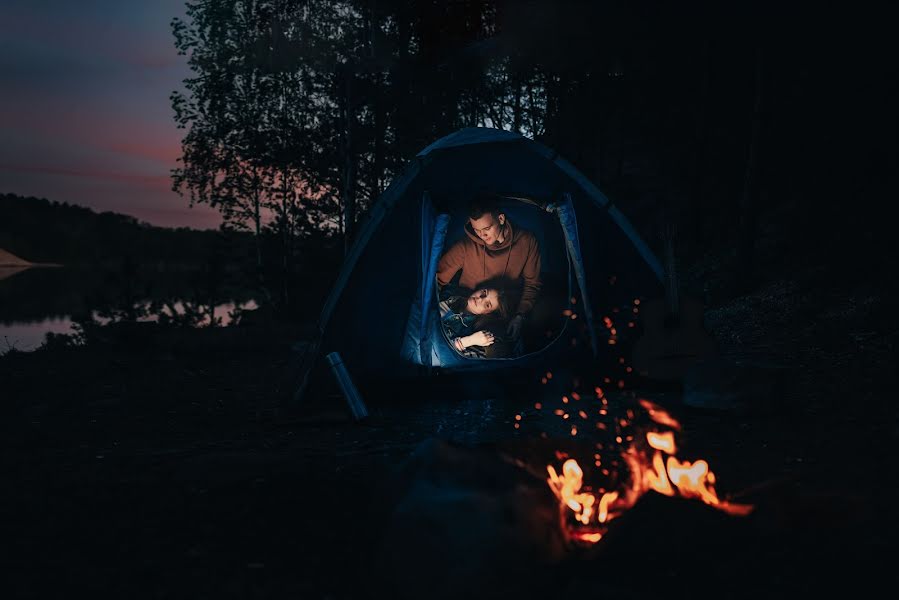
(29, 265)
(7, 271)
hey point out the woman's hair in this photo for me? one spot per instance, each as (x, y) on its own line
(502, 303)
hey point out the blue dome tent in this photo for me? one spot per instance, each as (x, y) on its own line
(382, 316)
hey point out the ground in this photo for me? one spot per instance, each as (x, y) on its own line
(169, 464)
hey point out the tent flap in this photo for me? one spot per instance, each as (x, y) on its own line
(431, 249)
(568, 220)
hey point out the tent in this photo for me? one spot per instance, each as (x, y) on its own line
(381, 315)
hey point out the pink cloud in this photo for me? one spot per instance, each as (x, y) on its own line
(76, 128)
(163, 151)
(149, 180)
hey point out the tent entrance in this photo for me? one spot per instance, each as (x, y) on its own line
(425, 342)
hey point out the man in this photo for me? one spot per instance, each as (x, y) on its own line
(493, 249)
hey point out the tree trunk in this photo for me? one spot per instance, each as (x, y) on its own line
(378, 145)
(349, 170)
(285, 237)
(257, 233)
(516, 107)
(532, 104)
(553, 101)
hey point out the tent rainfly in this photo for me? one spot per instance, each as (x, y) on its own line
(381, 315)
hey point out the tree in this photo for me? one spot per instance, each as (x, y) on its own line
(250, 117)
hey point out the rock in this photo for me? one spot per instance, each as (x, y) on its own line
(734, 384)
(468, 523)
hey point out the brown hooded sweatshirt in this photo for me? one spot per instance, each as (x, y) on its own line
(516, 258)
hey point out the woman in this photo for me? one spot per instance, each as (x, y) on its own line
(466, 317)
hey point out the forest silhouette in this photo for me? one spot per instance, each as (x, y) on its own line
(726, 121)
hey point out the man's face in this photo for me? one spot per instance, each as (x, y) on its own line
(488, 227)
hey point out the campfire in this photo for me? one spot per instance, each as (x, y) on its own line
(643, 458)
(652, 465)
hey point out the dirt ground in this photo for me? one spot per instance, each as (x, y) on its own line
(173, 464)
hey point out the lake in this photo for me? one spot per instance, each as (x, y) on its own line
(38, 301)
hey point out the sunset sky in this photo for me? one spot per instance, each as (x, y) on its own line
(85, 116)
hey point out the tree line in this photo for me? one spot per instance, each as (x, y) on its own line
(40, 230)
(299, 113)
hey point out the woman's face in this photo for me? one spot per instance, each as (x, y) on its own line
(483, 302)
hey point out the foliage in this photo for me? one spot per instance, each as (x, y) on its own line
(300, 112)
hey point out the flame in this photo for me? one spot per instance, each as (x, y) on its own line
(657, 469)
(656, 478)
(659, 414)
(662, 441)
(604, 503)
(567, 487)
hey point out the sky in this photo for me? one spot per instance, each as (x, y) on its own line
(85, 115)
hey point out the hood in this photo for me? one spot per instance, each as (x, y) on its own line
(512, 234)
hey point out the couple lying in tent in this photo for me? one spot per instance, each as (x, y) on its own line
(481, 276)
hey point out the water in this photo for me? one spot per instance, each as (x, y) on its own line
(35, 302)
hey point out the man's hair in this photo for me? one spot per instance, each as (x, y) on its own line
(482, 204)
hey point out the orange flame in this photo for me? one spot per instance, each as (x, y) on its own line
(663, 472)
(567, 488)
(659, 414)
(662, 441)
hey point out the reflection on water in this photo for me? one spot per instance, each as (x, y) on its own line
(6, 272)
(29, 336)
(35, 302)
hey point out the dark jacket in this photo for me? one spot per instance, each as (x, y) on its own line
(455, 320)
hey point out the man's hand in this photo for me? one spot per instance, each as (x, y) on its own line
(514, 328)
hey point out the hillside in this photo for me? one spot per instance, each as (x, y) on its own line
(54, 232)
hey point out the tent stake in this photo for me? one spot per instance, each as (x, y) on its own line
(350, 393)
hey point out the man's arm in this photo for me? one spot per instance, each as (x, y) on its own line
(531, 276)
(450, 263)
